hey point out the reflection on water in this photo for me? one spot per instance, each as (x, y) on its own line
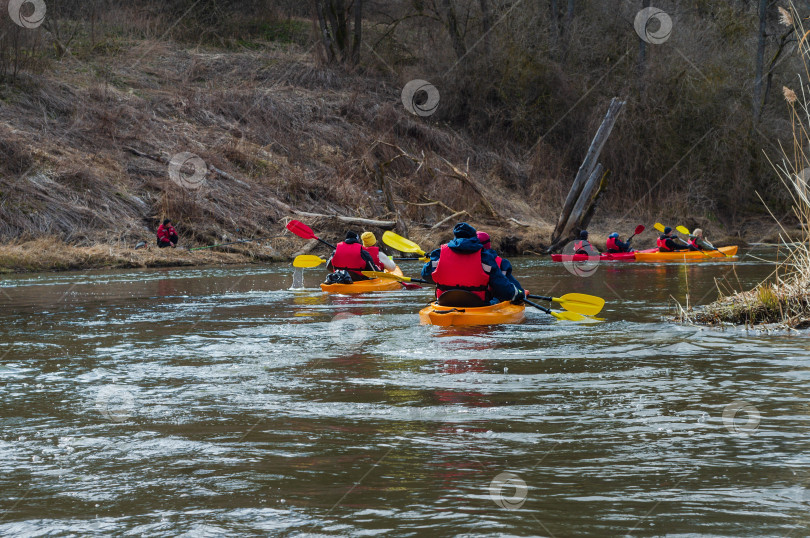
(221, 401)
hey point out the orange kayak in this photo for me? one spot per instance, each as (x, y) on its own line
(687, 255)
(447, 316)
(366, 286)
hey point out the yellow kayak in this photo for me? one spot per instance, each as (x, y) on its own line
(447, 316)
(687, 255)
(366, 286)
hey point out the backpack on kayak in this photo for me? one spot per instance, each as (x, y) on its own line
(339, 277)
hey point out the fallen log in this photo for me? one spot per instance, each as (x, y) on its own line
(586, 169)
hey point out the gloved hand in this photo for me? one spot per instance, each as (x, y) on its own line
(520, 298)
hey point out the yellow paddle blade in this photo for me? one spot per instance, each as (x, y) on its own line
(400, 243)
(307, 260)
(683, 230)
(660, 227)
(380, 274)
(590, 305)
(568, 316)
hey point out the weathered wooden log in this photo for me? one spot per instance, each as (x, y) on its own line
(584, 209)
(384, 224)
(586, 169)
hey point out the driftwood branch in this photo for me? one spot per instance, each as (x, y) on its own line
(465, 178)
(384, 224)
(451, 217)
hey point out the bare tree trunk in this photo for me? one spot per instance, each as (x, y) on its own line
(342, 43)
(326, 37)
(642, 47)
(358, 31)
(757, 97)
(453, 30)
(555, 23)
(569, 15)
(486, 23)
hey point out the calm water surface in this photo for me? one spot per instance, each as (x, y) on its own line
(220, 402)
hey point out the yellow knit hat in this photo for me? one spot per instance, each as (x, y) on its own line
(368, 239)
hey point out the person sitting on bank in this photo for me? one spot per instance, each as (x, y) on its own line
(583, 246)
(468, 273)
(350, 256)
(167, 235)
(615, 244)
(377, 256)
(697, 242)
(503, 264)
(670, 243)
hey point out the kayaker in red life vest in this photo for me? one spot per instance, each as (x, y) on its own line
(350, 256)
(378, 257)
(697, 242)
(583, 246)
(670, 243)
(167, 235)
(503, 264)
(615, 244)
(463, 264)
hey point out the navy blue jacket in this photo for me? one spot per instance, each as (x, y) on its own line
(623, 247)
(506, 268)
(501, 287)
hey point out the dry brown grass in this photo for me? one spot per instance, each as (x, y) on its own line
(785, 297)
(50, 254)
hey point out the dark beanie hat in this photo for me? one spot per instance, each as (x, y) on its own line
(583, 234)
(166, 221)
(352, 235)
(667, 230)
(462, 230)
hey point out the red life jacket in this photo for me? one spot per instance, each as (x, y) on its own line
(347, 256)
(498, 260)
(375, 256)
(579, 245)
(693, 243)
(460, 272)
(612, 246)
(661, 243)
(164, 233)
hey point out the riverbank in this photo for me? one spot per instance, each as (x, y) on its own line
(513, 239)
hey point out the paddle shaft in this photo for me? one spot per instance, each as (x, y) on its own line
(537, 306)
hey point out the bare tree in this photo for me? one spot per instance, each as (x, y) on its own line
(761, 41)
(340, 41)
(453, 29)
(642, 46)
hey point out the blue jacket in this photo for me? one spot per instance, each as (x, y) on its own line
(506, 268)
(501, 287)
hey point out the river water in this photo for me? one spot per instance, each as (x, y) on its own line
(219, 401)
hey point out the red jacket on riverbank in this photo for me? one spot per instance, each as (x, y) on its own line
(166, 234)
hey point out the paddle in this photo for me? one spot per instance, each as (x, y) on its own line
(569, 316)
(576, 302)
(640, 228)
(589, 305)
(392, 276)
(404, 280)
(307, 260)
(397, 242)
(305, 232)
(660, 227)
